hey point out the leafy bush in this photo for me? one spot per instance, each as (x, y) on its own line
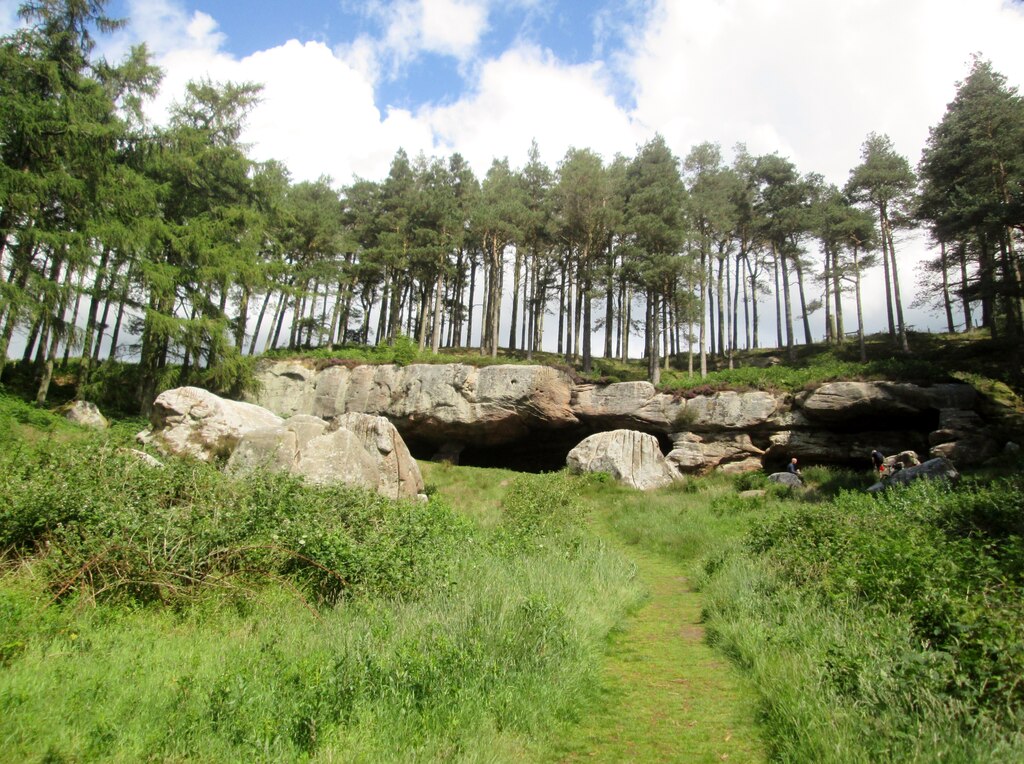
(152, 614)
(537, 507)
(927, 583)
(116, 528)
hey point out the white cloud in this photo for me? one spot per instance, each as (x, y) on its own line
(525, 94)
(316, 114)
(452, 27)
(412, 27)
(811, 79)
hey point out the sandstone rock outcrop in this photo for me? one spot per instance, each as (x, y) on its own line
(452, 402)
(530, 410)
(729, 452)
(354, 449)
(632, 458)
(190, 421)
(847, 401)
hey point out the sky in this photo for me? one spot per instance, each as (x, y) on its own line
(349, 82)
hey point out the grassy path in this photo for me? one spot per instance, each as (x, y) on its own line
(666, 695)
(669, 697)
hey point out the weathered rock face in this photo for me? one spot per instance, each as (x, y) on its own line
(189, 421)
(632, 458)
(490, 405)
(354, 449)
(730, 452)
(495, 414)
(848, 401)
(86, 414)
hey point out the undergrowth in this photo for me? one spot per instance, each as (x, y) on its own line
(881, 628)
(177, 613)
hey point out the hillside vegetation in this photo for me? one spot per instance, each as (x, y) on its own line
(178, 613)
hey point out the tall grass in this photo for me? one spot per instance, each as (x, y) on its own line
(179, 614)
(874, 628)
(882, 629)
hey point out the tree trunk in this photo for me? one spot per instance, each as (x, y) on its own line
(720, 299)
(830, 326)
(69, 338)
(516, 277)
(568, 315)
(627, 314)
(710, 297)
(885, 270)
(47, 375)
(90, 318)
(803, 300)
(704, 310)
(902, 326)
(860, 311)
(435, 339)
(788, 305)
(259, 323)
(962, 257)
(837, 292)
(947, 304)
(778, 300)
(469, 313)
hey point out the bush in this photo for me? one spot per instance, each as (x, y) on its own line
(537, 507)
(945, 567)
(116, 528)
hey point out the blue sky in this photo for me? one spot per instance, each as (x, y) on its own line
(575, 32)
(349, 82)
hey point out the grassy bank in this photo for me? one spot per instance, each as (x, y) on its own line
(881, 629)
(178, 614)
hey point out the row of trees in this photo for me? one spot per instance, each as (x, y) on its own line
(110, 227)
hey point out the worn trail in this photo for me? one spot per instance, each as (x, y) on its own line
(669, 696)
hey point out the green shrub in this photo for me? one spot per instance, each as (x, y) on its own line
(904, 606)
(537, 507)
(116, 528)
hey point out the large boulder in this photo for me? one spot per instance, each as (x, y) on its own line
(933, 469)
(398, 474)
(190, 421)
(632, 458)
(85, 414)
(353, 449)
(786, 478)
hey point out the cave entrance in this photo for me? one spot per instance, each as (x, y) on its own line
(540, 451)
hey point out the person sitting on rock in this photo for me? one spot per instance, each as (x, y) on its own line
(878, 459)
(792, 469)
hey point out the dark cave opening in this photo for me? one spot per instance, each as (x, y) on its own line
(538, 451)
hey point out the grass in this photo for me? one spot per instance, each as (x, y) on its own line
(514, 618)
(178, 614)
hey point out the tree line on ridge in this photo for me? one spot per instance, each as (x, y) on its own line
(111, 227)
